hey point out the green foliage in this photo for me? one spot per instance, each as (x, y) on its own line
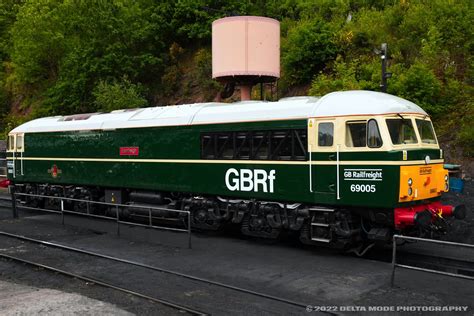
(192, 19)
(3, 97)
(8, 11)
(118, 95)
(354, 75)
(74, 44)
(171, 79)
(11, 121)
(306, 50)
(419, 85)
(203, 62)
(430, 45)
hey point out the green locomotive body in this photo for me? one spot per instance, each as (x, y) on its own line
(322, 166)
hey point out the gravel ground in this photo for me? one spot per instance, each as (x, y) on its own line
(16, 300)
(68, 288)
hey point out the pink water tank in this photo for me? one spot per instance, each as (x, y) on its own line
(247, 47)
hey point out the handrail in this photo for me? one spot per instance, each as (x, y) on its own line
(404, 266)
(310, 169)
(116, 218)
(337, 171)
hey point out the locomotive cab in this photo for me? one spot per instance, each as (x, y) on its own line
(15, 149)
(390, 162)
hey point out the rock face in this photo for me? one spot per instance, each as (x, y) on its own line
(16, 299)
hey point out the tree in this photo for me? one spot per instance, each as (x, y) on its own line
(65, 47)
(118, 95)
(307, 49)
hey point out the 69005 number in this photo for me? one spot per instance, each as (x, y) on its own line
(370, 188)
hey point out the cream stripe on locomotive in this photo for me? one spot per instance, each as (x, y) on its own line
(257, 162)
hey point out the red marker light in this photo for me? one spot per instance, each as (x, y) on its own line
(4, 183)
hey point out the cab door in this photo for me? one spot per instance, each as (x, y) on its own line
(324, 156)
(19, 151)
(11, 156)
(15, 164)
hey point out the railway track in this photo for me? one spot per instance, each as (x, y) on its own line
(179, 307)
(141, 265)
(167, 303)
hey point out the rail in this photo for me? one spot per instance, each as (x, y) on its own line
(117, 219)
(404, 266)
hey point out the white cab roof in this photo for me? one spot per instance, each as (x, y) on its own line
(333, 104)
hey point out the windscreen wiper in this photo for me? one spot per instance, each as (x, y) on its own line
(404, 120)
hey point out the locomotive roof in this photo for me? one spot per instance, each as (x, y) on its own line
(333, 104)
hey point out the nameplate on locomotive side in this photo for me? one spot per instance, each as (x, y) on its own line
(425, 170)
(129, 151)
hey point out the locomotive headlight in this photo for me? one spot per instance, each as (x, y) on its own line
(446, 178)
(446, 187)
(410, 191)
(410, 182)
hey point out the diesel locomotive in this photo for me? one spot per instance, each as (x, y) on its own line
(344, 169)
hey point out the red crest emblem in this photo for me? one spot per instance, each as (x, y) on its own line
(54, 171)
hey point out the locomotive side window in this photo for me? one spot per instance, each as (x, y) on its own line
(258, 145)
(300, 144)
(425, 129)
(208, 145)
(401, 131)
(325, 134)
(281, 145)
(242, 145)
(259, 149)
(374, 140)
(225, 146)
(356, 133)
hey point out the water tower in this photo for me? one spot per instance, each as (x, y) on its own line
(245, 51)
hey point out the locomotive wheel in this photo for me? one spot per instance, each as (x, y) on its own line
(258, 227)
(200, 219)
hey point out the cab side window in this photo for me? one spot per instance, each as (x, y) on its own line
(374, 140)
(356, 133)
(325, 134)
